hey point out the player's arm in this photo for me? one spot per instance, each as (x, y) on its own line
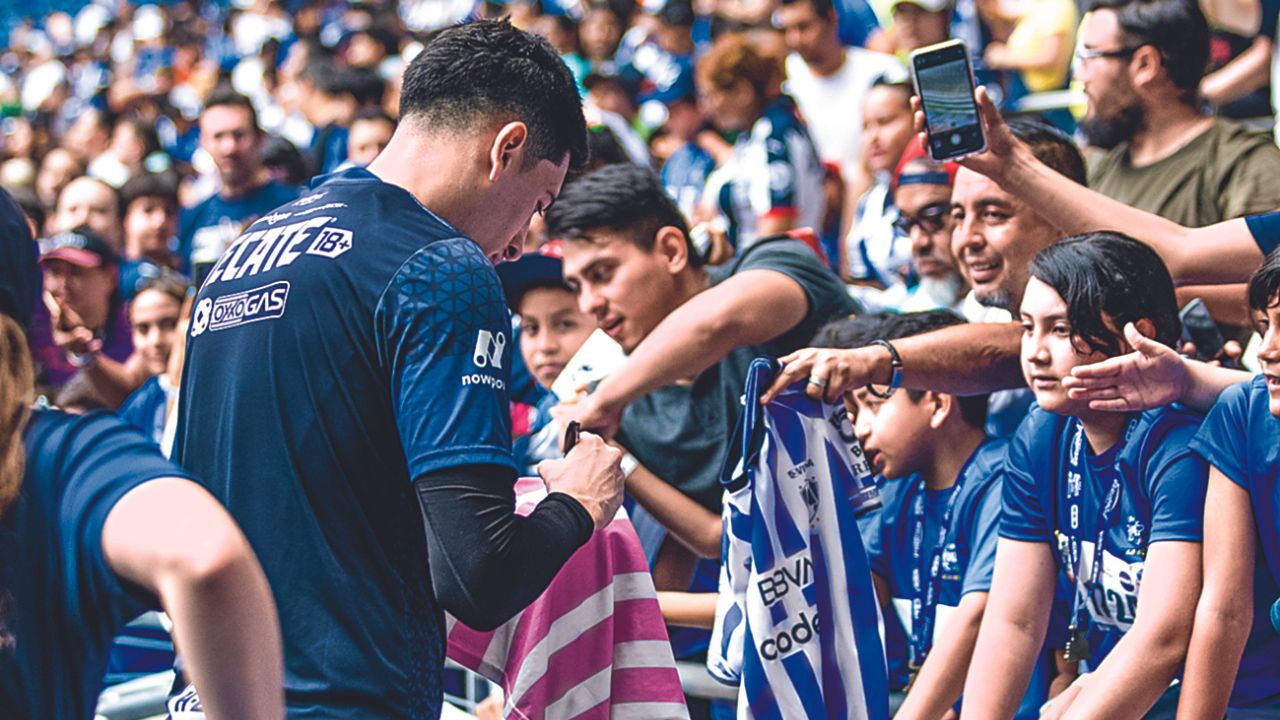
(488, 563)
(749, 308)
(941, 679)
(1224, 614)
(170, 537)
(1013, 628)
(1141, 666)
(691, 524)
(1221, 253)
(688, 609)
(968, 359)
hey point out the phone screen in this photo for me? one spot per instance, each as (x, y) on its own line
(946, 90)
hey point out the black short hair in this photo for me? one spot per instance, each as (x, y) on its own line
(860, 330)
(1176, 28)
(169, 282)
(489, 69)
(626, 198)
(677, 13)
(282, 157)
(1051, 146)
(824, 8)
(1108, 280)
(1264, 286)
(226, 96)
(148, 184)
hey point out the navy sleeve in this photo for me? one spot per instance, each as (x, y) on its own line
(1177, 479)
(1032, 453)
(104, 459)
(984, 534)
(1221, 438)
(444, 335)
(1270, 16)
(1266, 230)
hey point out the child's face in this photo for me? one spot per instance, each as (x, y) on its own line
(893, 432)
(1269, 354)
(552, 328)
(1049, 352)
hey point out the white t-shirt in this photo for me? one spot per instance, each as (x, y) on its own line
(832, 106)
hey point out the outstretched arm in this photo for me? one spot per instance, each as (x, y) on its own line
(1221, 253)
(172, 538)
(968, 359)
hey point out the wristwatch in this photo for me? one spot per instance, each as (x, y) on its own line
(896, 381)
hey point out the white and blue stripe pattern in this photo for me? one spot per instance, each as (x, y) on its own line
(797, 622)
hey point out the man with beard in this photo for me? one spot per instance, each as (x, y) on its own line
(1141, 62)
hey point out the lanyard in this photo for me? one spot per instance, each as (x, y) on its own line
(924, 593)
(1075, 493)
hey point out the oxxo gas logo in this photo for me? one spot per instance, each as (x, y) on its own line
(260, 303)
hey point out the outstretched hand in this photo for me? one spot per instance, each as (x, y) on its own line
(1151, 376)
(1001, 144)
(828, 372)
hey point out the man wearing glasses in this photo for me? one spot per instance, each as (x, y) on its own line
(1141, 62)
(922, 193)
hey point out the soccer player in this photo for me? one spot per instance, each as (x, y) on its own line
(346, 384)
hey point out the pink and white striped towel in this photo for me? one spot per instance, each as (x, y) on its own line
(592, 646)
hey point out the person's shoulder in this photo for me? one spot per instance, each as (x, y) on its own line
(69, 437)
(872, 64)
(895, 496)
(1162, 435)
(1039, 427)
(778, 253)
(988, 462)
(1232, 138)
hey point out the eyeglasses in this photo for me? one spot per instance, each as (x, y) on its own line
(931, 219)
(1084, 53)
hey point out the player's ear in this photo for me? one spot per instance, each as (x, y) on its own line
(508, 148)
(671, 244)
(941, 406)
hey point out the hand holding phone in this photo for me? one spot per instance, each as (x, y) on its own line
(943, 76)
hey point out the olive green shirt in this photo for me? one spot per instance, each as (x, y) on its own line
(1226, 172)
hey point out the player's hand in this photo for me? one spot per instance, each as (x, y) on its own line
(1002, 146)
(829, 373)
(591, 474)
(1058, 706)
(591, 413)
(1151, 376)
(68, 329)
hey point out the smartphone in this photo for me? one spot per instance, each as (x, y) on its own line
(943, 76)
(1199, 328)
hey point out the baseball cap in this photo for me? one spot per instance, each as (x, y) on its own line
(80, 246)
(543, 268)
(915, 150)
(930, 5)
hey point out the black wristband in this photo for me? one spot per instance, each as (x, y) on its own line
(895, 380)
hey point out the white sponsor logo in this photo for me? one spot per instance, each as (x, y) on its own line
(263, 250)
(310, 198)
(331, 242)
(318, 208)
(260, 303)
(489, 347)
(478, 379)
(274, 218)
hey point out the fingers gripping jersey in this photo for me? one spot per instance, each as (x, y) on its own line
(797, 622)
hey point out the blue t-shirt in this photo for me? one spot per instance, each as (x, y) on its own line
(968, 557)
(1162, 499)
(145, 409)
(62, 602)
(342, 348)
(1241, 438)
(207, 229)
(1266, 230)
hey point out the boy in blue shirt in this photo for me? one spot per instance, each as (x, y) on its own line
(1239, 440)
(933, 552)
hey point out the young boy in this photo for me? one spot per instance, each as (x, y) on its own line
(933, 550)
(551, 330)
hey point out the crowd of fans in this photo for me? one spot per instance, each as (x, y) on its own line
(757, 185)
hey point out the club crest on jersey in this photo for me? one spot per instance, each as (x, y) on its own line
(1133, 530)
(489, 347)
(809, 492)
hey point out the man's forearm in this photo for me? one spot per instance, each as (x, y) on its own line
(969, 359)
(1206, 382)
(694, 526)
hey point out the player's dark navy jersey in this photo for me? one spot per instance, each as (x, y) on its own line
(206, 230)
(61, 602)
(347, 344)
